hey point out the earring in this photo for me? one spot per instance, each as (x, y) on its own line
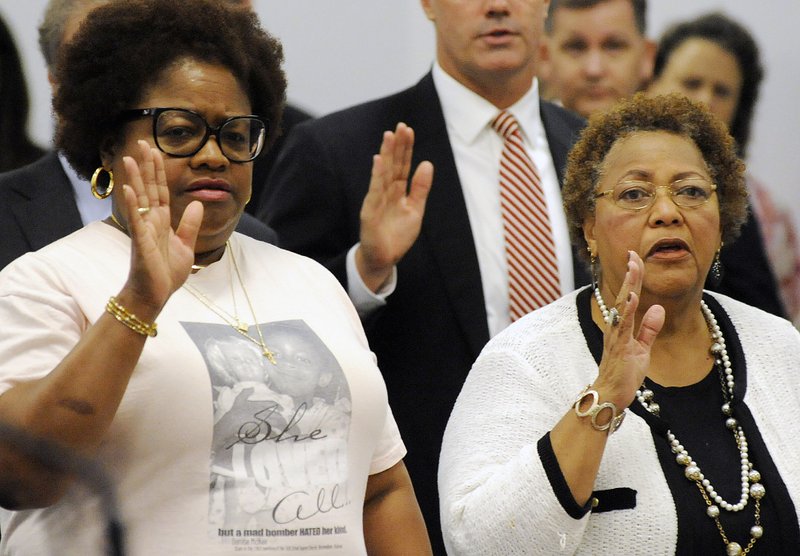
(106, 191)
(593, 269)
(716, 269)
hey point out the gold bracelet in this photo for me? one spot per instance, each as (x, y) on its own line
(616, 417)
(129, 319)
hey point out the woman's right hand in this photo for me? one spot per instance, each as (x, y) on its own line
(161, 259)
(626, 351)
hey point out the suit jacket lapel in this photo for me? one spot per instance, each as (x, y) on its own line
(445, 228)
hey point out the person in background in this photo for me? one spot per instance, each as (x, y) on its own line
(16, 147)
(595, 52)
(681, 442)
(106, 356)
(46, 199)
(715, 60)
(435, 276)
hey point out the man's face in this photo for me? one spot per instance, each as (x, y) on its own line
(486, 41)
(595, 56)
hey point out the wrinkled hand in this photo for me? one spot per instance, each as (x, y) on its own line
(626, 357)
(391, 216)
(161, 259)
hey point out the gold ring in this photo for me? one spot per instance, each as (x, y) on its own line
(143, 210)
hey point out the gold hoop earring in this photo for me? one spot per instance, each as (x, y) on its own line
(96, 191)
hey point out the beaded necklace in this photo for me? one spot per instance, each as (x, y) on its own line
(751, 487)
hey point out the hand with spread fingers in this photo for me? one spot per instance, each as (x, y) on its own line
(391, 215)
(627, 344)
(161, 258)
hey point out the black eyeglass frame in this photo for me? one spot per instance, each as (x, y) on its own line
(135, 113)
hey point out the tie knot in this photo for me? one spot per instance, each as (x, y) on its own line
(505, 124)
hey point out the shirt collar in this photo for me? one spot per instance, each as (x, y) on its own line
(468, 114)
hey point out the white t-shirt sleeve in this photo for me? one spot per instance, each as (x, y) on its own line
(390, 448)
(45, 321)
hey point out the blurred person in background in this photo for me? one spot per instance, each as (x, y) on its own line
(595, 52)
(715, 60)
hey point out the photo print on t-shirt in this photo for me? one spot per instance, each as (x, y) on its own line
(279, 446)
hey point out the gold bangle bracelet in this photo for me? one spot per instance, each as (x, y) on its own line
(129, 319)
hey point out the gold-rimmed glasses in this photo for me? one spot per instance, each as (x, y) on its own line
(641, 194)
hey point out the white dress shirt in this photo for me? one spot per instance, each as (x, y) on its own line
(477, 148)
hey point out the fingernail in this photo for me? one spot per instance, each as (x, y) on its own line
(630, 255)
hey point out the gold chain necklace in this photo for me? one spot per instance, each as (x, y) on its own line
(233, 320)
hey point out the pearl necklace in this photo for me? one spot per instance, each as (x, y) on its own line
(751, 487)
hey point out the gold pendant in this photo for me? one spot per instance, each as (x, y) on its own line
(268, 354)
(241, 326)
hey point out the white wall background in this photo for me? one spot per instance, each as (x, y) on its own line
(341, 52)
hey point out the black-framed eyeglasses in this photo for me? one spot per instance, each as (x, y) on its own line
(182, 133)
(640, 194)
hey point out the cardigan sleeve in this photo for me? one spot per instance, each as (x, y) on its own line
(496, 494)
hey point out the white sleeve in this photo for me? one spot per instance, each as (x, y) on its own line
(390, 448)
(42, 321)
(495, 495)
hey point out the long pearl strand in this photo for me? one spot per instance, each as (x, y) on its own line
(751, 487)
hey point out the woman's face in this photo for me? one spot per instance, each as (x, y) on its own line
(677, 244)
(704, 72)
(224, 187)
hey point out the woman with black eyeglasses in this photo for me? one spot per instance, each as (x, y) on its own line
(224, 384)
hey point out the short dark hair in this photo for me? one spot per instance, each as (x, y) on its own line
(673, 113)
(124, 46)
(639, 11)
(733, 38)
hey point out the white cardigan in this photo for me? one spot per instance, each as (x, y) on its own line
(495, 496)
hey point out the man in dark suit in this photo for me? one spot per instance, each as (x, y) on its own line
(428, 331)
(38, 206)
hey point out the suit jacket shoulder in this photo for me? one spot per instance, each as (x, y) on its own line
(314, 191)
(37, 207)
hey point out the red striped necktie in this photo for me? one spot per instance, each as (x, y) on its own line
(533, 279)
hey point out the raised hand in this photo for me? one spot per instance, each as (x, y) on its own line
(626, 351)
(391, 214)
(161, 259)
